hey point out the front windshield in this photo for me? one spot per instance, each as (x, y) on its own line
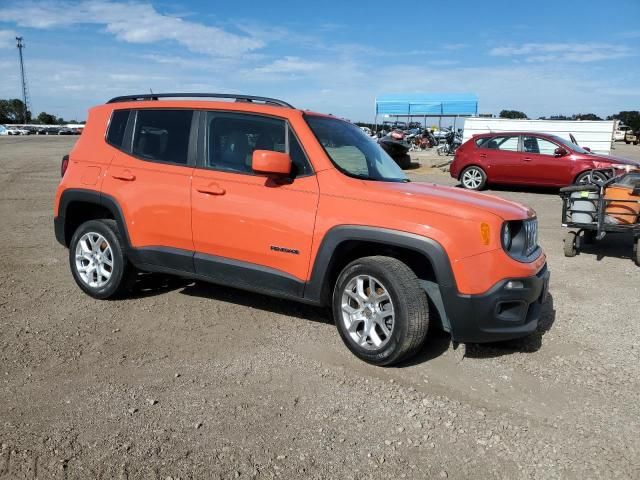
(353, 152)
(572, 146)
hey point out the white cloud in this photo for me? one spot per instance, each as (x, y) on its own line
(563, 52)
(289, 65)
(7, 39)
(133, 23)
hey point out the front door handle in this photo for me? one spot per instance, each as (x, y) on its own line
(213, 189)
(483, 155)
(127, 176)
(527, 159)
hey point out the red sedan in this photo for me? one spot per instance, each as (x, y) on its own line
(526, 158)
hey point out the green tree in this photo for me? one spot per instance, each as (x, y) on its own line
(512, 114)
(628, 117)
(46, 118)
(12, 111)
(586, 116)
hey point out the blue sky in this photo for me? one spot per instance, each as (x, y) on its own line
(544, 57)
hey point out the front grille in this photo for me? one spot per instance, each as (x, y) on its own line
(531, 236)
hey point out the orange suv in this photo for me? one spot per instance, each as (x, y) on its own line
(252, 193)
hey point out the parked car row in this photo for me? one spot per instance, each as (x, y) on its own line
(38, 130)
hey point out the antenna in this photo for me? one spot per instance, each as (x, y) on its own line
(25, 95)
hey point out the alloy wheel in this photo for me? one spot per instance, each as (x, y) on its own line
(367, 312)
(472, 178)
(94, 259)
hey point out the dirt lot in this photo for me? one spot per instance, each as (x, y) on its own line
(190, 380)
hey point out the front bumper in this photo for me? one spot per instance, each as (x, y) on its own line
(500, 314)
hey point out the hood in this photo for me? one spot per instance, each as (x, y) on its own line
(611, 159)
(449, 200)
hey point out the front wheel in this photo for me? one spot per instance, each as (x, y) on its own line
(473, 178)
(589, 177)
(380, 310)
(97, 260)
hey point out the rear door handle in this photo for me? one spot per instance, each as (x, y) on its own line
(483, 155)
(213, 189)
(127, 176)
(527, 159)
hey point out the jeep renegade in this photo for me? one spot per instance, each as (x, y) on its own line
(252, 193)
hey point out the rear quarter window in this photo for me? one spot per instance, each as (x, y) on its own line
(117, 127)
(482, 141)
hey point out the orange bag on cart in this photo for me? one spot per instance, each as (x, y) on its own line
(627, 210)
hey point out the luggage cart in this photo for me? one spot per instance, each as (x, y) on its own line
(588, 209)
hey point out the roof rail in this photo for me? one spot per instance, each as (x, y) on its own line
(238, 98)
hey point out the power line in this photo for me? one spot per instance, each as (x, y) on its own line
(25, 94)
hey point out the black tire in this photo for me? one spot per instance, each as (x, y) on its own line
(627, 142)
(410, 307)
(636, 251)
(122, 272)
(570, 247)
(586, 178)
(404, 161)
(473, 186)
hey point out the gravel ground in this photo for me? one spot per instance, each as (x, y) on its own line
(190, 380)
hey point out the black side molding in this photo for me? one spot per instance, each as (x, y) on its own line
(89, 196)
(432, 250)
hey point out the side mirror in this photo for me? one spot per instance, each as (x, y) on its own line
(587, 149)
(560, 152)
(270, 163)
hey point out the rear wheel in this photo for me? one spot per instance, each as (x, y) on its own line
(97, 261)
(473, 178)
(570, 244)
(380, 310)
(636, 251)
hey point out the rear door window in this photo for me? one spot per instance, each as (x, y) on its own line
(162, 135)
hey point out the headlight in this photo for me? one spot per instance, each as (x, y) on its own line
(520, 238)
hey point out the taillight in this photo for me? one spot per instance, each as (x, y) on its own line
(64, 165)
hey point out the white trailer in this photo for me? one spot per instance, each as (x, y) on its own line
(594, 134)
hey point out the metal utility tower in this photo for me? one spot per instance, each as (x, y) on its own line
(25, 96)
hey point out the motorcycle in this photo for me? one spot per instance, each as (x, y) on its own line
(396, 146)
(450, 143)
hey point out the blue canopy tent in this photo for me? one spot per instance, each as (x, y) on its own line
(426, 105)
